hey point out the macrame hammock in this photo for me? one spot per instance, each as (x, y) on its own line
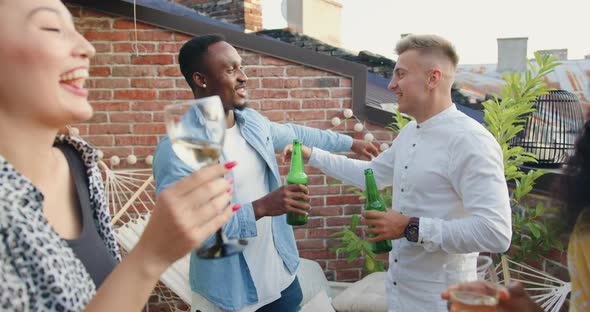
(130, 193)
(548, 291)
(131, 197)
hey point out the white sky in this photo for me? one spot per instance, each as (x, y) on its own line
(472, 25)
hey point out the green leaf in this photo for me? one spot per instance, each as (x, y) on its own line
(370, 264)
(354, 221)
(534, 230)
(350, 189)
(338, 234)
(334, 182)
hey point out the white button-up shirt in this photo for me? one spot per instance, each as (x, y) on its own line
(449, 172)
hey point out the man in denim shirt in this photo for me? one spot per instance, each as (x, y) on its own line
(262, 278)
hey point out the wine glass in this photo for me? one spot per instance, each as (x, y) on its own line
(196, 129)
(466, 296)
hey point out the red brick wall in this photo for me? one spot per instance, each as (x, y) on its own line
(128, 92)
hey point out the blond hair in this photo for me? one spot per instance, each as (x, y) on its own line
(428, 44)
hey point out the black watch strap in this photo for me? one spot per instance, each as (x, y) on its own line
(412, 231)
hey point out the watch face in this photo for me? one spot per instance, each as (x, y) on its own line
(412, 233)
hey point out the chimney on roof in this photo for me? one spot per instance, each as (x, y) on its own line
(244, 13)
(512, 54)
(321, 19)
(560, 54)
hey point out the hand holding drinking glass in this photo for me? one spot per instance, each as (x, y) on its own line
(196, 129)
(465, 296)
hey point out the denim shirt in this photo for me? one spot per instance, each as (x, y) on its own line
(226, 282)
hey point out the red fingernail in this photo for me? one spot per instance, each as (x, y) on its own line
(236, 207)
(230, 180)
(230, 190)
(230, 164)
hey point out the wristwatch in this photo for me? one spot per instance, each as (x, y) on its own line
(412, 231)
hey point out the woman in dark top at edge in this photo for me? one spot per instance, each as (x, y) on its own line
(57, 248)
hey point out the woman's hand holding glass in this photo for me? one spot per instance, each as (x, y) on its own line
(196, 129)
(482, 292)
(467, 289)
(512, 298)
(186, 214)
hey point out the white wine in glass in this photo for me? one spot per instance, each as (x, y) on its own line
(195, 152)
(473, 301)
(196, 129)
(467, 298)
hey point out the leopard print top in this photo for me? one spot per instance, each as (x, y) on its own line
(38, 271)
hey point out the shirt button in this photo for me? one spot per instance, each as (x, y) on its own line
(394, 283)
(402, 190)
(414, 145)
(418, 126)
(405, 167)
(395, 260)
(422, 242)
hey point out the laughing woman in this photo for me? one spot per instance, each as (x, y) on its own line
(57, 249)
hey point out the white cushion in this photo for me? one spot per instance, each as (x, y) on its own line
(366, 295)
(311, 279)
(320, 303)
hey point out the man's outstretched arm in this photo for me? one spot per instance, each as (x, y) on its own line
(283, 134)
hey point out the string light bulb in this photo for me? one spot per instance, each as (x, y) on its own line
(358, 127)
(74, 131)
(149, 160)
(115, 160)
(336, 121)
(131, 159)
(347, 113)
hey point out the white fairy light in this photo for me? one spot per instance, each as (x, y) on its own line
(358, 127)
(131, 159)
(115, 160)
(100, 154)
(74, 131)
(384, 146)
(347, 113)
(369, 137)
(336, 121)
(149, 160)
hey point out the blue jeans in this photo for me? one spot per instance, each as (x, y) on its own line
(289, 301)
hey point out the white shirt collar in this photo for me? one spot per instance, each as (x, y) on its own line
(438, 118)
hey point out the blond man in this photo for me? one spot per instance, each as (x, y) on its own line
(450, 197)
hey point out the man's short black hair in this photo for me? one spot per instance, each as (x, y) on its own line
(192, 54)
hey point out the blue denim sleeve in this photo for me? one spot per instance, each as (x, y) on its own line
(283, 134)
(167, 169)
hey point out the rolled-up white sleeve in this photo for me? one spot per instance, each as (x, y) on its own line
(430, 235)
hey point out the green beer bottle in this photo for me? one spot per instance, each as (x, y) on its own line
(296, 176)
(374, 201)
